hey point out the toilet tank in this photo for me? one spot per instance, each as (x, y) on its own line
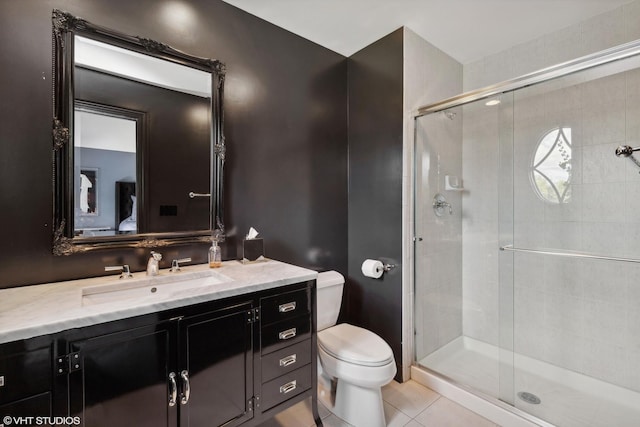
(329, 299)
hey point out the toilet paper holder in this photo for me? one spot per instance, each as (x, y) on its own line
(375, 268)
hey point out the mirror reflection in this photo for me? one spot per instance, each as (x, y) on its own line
(104, 173)
(142, 143)
(138, 143)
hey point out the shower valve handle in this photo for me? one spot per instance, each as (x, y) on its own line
(440, 203)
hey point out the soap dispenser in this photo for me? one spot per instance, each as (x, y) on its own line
(215, 253)
(215, 256)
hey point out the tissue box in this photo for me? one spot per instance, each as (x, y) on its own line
(252, 251)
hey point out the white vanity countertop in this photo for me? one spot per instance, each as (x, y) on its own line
(32, 311)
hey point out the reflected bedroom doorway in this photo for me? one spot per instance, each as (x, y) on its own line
(106, 171)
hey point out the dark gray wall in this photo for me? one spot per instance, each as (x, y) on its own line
(375, 187)
(286, 127)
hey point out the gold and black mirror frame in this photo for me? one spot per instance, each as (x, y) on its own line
(66, 239)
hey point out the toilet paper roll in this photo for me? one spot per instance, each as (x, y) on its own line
(372, 268)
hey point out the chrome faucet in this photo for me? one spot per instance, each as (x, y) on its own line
(175, 264)
(126, 273)
(153, 267)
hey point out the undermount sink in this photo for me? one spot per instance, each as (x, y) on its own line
(157, 286)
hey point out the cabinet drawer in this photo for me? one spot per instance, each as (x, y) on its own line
(286, 360)
(25, 374)
(285, 306)
(34, 406)
(285, 387)
(283, 334)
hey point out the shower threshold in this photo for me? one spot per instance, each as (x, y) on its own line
(568, 399)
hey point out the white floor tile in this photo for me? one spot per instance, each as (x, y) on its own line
(394, 417)
(445, 413)
(299, 415)
(409, 397)
(333, 421)
(322, 410)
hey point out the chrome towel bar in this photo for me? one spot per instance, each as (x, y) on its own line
(193, 195)
(510, 248)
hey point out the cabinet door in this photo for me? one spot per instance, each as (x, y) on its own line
(122, 379)
(216, 353)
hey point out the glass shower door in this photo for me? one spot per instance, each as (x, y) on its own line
(575, 240)
(462, 215)
(527, 257)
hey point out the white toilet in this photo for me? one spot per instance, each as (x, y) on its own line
(360, 361)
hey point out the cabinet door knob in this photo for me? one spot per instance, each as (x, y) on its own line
(173, 389)
(186, 391)
(284, 308)
(288, 387)
(289, 360)
(289, 333)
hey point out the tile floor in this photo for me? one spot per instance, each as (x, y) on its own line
(405, 405)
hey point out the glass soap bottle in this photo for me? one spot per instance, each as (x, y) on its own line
(215, 255)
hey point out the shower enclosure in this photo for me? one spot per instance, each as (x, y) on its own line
(527, 242)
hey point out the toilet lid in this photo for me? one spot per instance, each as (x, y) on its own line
(355, 345)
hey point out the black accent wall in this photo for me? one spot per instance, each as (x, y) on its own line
(375, 188)
(286, 130)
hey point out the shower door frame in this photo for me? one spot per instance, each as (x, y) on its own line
(603, 57)
(612, 54)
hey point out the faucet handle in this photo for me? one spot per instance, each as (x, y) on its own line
(156, 255)
(126, 272)
(175, 264)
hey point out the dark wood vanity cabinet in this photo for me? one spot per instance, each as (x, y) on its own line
(286, 346)
(229, 362)
(26, 379)
(120, 378)
(192, 369)
(216, 352)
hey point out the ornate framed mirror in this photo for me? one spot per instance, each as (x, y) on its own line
(138, 141)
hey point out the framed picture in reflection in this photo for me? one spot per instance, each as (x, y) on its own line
(89, 191)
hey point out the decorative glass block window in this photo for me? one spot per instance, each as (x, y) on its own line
(551, 170)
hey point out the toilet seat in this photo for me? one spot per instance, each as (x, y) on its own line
(355, 345)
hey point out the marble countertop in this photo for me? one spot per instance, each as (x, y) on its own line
(32, 311)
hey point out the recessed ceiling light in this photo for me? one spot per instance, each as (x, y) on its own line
(492, 102)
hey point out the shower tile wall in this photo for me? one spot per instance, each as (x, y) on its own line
(579, 314)
(609, 29)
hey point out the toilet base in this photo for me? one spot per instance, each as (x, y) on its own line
(360, 407)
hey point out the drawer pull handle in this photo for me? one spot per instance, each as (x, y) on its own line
(184, 399)
(288, 387)
(289, 360)
(173, 389)
(284, 308)
(1, 380)
(288, 334)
